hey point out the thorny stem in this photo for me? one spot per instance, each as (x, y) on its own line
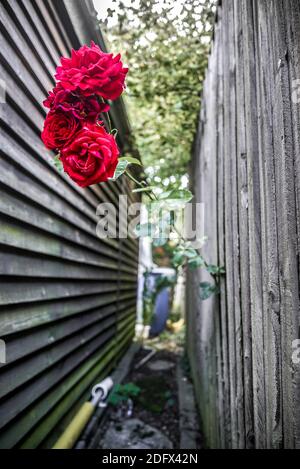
(109, 121)
(107, 116)
(206, 265)
(140, 184)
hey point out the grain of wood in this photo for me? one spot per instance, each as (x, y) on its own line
(67, 298)
(255, 141)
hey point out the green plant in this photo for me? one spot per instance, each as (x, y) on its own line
(166, 45)
(122, 392)
(161, 225)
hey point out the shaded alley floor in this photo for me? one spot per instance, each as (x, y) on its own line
(154, 407)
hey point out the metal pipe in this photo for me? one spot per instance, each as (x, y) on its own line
(145, 359)
(73, 431)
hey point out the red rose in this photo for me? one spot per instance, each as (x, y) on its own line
(91, 157)
(59, 128)
(80, 106)
(92, 71)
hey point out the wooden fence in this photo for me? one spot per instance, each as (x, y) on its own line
(246, 169)
(67, 299)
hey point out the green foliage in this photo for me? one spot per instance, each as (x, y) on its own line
(183, 255)
(184, 196)
(165, 45)
(123, 164)
(207, 290)
(187, 254)
(215, 270)
(196, 262)
(122, 392)
(144, 189)
(130, 160)
(120, 169)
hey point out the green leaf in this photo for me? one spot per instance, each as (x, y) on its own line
(178, 259)
(120, 169)
(144, 189)
(183, 254)
(122, 392)
(190, 253)
(196, 262)
(130, 389)
(174, 199)
(123, 164)
(131, 160)
(184, 196)
(215, 270)
(207, 290)
(57, 163)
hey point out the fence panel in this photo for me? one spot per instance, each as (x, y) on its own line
(246, 171)
(67, 299)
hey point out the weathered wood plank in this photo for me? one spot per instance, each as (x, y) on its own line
(65, 294)
(292, 21)
(286, 209)
(23, 344)
(229, 203)
(37, 25)
(243, 231)
(44, 406)
(257, 173)
(226, 430)
(19, 318)
(72, 348)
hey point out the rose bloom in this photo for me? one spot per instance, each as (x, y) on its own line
(59, 128)
(83, 108)
(91, 157)
(92, 71)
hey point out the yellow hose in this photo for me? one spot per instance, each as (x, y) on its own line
(75, 428)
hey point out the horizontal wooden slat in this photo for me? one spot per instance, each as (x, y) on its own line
(67, 298)
(20, 345)
(17, 318)
(22, 292)
(59, 401)
(36, 23)
(84, 385)
(25, 23)
(21, 236)
(22, 49)
(11, 435)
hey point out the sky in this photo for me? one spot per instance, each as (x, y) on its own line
(102, 6)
